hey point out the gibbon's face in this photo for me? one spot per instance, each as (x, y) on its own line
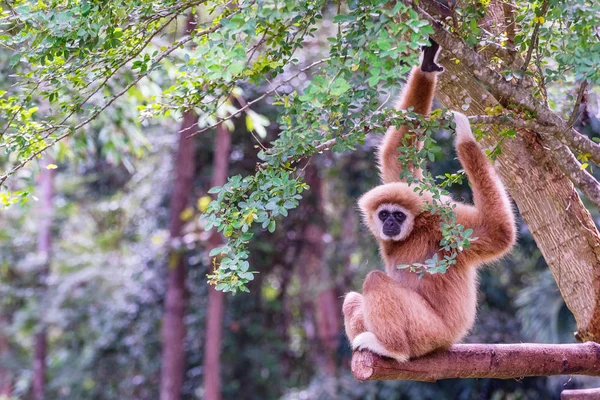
(393, 222)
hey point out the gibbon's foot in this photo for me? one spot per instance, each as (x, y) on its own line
(368, 341)
(463, 128)
(429, 57)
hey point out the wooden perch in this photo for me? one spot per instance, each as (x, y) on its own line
(580, 394)
(501, 361)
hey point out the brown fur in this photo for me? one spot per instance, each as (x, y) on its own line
(408, 316)
(421, 101)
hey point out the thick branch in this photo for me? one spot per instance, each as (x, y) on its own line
(580, 394)
(501, 361)
(565, 159)
(510, 93)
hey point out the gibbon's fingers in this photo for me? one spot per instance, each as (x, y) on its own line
(429, 57)
(463, 128)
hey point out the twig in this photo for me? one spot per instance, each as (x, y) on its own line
(577, 104)
(534, 36)
(331, 142)
(538, 64)
(259, 98)
(165, 53)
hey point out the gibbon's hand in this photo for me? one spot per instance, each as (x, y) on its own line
(429, 57)
(463, 128)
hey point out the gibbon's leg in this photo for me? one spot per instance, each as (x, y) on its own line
(353, 315)
(417, 93)
(400, 323)
(492, 220)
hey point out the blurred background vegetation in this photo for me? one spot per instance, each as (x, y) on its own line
(101, 294)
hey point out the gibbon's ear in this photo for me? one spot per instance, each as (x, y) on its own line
(429, 57)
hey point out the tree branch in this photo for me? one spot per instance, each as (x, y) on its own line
(533, 43)
(107, 104)
(565, 159)
(580, 394)
(256, 100)
(500, 361)
(571, 167)
(508, 92)
(580, 94)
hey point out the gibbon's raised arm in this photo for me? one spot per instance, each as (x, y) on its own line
(417, 93)
(492, 219)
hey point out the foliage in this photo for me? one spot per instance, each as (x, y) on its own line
(75, 59)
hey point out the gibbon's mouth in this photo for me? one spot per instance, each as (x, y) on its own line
(391, 230)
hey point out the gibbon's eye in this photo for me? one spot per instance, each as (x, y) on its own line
(399, 216)
(383, 215)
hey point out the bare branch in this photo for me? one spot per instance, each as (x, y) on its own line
(513, 122)
(509, 23)
(580, 94)
(572, 168)
(501, 361)
(563, 156)
(533, 43)
(259, 98)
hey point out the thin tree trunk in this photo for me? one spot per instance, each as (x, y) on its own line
(173, 326)
(320, 305)
(214, 316)
(44, 248)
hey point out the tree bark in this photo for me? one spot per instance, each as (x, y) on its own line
(558, 220)
(173, 326)
(214, 316)
(500, 361)
(44, 248)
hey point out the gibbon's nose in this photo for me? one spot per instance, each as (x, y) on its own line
(391, 228)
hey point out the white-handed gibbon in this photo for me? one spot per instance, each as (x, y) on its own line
(399, 314)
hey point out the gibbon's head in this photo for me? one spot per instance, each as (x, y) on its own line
(390, 210)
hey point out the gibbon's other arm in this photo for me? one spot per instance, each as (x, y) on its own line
(418, 93)
(492, 218)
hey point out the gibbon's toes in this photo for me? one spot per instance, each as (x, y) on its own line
(351, 302)
(368, 341)
(463, 128)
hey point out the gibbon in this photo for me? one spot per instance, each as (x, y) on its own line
(399, 314)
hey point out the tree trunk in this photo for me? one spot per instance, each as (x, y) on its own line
(569, 241)
(214, 316)
(320, 304)
(173, 326)
(499, 361)
(44, 248)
